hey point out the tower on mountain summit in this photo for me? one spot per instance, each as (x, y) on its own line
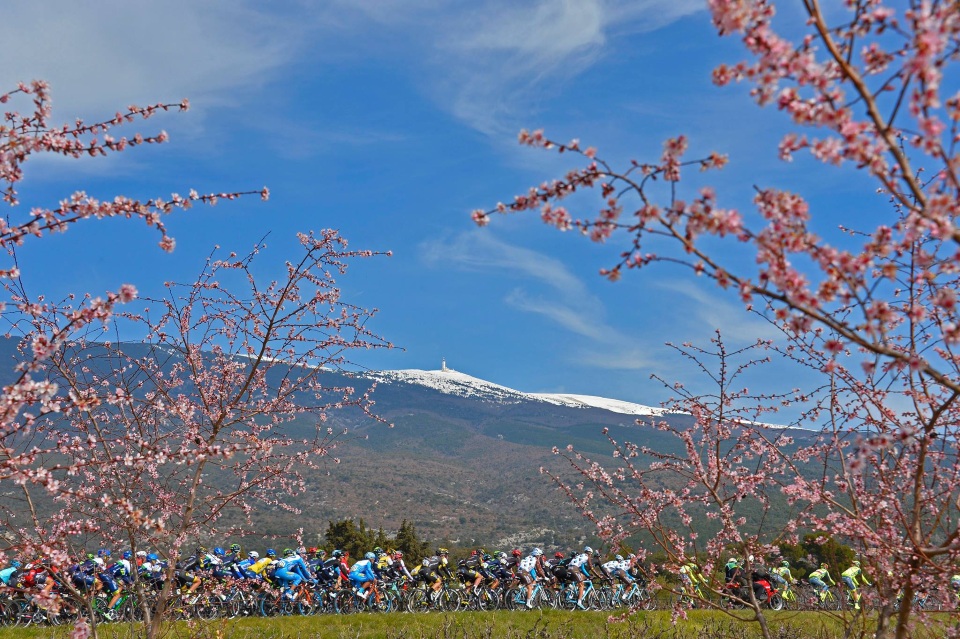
(443, 366)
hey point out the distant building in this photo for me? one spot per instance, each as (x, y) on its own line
(443, 366)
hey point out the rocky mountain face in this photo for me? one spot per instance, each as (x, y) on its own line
(462, 459)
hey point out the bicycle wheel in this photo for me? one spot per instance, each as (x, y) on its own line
(265, 605)
(418, 601)
(831, 601)
(9, 613)
(775, 602)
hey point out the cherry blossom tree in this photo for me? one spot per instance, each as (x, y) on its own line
(872, 313)
(219, 406)
(710, 496)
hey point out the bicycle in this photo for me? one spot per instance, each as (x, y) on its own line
(688, 599)
(568, 596)
(517, 598)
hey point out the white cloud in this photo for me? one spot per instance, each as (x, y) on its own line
(101, 57)
(499, 58)
(712, 312)
(490, 62)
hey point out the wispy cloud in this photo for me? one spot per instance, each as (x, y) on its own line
(566, 300)
(711, 312)
(101, 58)
(490, 62)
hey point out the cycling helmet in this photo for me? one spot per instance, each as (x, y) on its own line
(218, 551)
(370, 556)
(587, 549)
(321, 553)
(235, 548)
(141, 553)
(15, 563)
(312, 551)
(785, 563)
(856, 563)
(732, 562)
(103, 552)
(253, 554)
(271, 552)
(487, 557)
(619, 557)
(398, 554)
(201, 550)
(473, 553)
(443, 551)
(127, 554)
(378, 551)
(558, 555)
(425, 563)
(537, 552)
(596, 553)
(337, 553)
(287, 552)
(824, 565)
(152, 557)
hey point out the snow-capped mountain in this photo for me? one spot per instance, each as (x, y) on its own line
(451, 382)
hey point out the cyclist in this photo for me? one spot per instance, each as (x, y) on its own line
(782, 574)
(11, 573)
(819, 578)
(84, 575)
(510, 563)
(362, 574)
(260, 566)
(344, 567)
(186, 570)
(399, 567)
(690, 577)
(290, 572)
(529, 567)
(558, 567)
(428, 573)
(637, 571)
(120, 575)
(151, 570)
(244, 569)
(849, 577)
(580, 567)
(499, 570)
(383, 562)
(233, 557)
(329, 570)
(733, 577)
(472, 568)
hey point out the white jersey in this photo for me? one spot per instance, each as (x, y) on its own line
(528, 563)
(612, 566)
(579, 560)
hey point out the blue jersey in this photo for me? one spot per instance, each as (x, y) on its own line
(362, 571)
(5, 575)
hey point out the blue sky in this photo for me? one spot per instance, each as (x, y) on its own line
(391, 120)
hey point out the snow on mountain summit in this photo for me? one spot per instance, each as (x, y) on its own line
(591, 401)
(446, 380)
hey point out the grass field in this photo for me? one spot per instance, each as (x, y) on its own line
(488, 625)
